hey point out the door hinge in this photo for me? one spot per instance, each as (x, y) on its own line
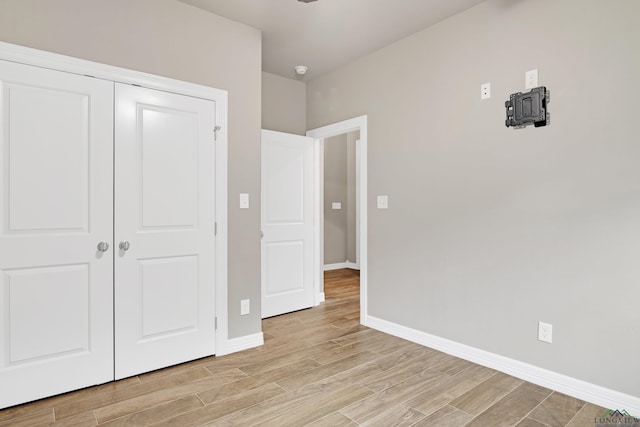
(215, 228)
(215, 326)
(215, 132)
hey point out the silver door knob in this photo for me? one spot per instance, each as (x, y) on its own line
(103, 246)
(124, 245)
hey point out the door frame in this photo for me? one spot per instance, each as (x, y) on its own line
(346, 126)
(40, 58)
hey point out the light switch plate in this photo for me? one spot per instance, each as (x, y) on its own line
(245, 307)
(244, 201)
(336, 205)
(383, 202)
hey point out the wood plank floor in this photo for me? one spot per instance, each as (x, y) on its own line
(318, 367)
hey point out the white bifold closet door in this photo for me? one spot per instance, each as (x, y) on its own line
(164, 229)
(106, 238)
(56, 181)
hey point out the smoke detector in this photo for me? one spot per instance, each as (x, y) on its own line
(306, 1)
(301, 70)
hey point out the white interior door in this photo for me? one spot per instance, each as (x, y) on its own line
(56, 286)
(164, 232)
(287, 223)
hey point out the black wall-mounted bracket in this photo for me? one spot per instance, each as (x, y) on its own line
(528, 108)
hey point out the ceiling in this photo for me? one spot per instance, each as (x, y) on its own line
(327, 34)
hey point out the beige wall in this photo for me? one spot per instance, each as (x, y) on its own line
(490, 230)
(335, 190)
(340, 186)
(284, 106)
(171, 39)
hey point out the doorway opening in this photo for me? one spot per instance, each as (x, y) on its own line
(339, 193)
(357, 126)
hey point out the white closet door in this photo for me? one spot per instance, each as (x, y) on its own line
(165, 213)
(56, 286)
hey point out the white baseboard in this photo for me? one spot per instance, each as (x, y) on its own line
(336, 266)
(341, 265)
(235, 345)
(320, 297)
(579, 389)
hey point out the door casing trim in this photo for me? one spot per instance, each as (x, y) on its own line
(339, 128)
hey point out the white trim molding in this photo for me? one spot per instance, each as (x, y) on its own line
(234, 345)
(352, 266)
(56, 61)
(354, 124)
(579, 389)
(340, 266)
(221, 285)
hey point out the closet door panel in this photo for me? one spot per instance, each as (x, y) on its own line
(165, 214)
(56, 163)
(45, 158)
(168, 169)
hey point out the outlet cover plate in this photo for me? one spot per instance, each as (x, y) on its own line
(531, 79)
(545, 332)
(485, 91)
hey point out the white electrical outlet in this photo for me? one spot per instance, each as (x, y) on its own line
(245, 307)
(485, 91)
(545, 332)
(531, 79)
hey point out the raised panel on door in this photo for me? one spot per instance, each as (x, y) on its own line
(56, 287)
(287, 223)
(165, 212)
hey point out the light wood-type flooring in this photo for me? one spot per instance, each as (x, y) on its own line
(318, 367)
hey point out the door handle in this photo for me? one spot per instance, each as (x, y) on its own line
(124, 245)
(103, 246)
